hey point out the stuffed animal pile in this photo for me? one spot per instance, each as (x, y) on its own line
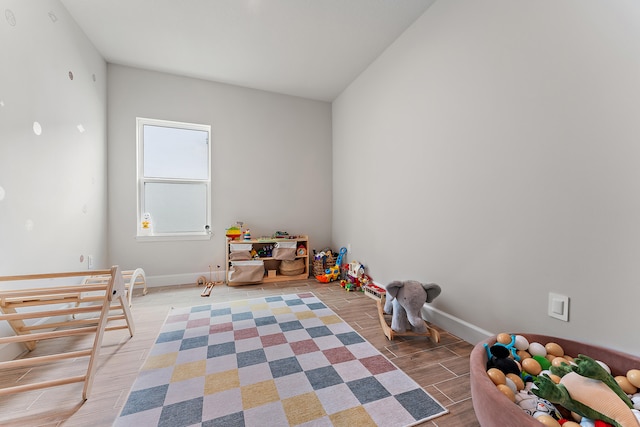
(558, 389)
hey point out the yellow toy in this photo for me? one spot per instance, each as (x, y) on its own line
(333, 272)
(330, 274)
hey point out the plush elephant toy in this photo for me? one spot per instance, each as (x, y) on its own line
(404, 301)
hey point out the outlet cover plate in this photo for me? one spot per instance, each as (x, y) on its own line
(558, 306)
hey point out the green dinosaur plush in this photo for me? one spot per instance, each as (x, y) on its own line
(587, 367)
(587, 389)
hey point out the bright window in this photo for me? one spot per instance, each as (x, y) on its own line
(174, 178)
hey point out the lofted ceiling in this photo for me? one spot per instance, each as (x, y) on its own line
(307, 48)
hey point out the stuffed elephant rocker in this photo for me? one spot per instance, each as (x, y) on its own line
(404, 301)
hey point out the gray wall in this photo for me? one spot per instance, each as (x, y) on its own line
(498, 148)
(271, 166)
(53, 186)
(54, 206)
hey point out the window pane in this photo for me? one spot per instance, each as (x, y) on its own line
(175, 153)
(176, 207)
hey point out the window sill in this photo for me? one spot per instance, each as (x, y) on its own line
(169, 238)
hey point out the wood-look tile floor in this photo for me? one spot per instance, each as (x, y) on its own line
(442, 369)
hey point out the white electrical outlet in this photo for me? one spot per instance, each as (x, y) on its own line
(558, 306)
(89, 262)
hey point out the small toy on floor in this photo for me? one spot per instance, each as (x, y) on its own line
(208, 285)
(355, 277)
(374, 291)
(332, 272)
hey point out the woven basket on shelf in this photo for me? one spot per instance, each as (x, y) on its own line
(292, 268)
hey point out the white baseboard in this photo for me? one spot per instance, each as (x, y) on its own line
(458, 327)
(179, 279)
(11, 351)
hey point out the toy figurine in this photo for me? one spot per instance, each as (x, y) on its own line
(498, 357)
(146, 226)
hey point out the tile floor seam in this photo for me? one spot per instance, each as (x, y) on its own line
(394, 354)
(442, 382)
(116, 404)
(445, 395)
(34, 401)
(444, 367)
(24, 375)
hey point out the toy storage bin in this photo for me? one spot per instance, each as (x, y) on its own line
(240, 251)
(320, 265)
(292, 268)
(235, 247)
(246, 271)
(285, 250)
(491, 407)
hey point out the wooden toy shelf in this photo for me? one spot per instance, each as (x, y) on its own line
(271, 264)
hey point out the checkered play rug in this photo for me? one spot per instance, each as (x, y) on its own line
(277, 361)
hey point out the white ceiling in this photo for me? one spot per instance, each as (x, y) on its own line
(307, 48)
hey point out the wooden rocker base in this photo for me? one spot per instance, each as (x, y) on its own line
(390, 333)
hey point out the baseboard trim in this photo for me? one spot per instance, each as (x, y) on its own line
(11, 351)
(176, 279)
(458, 327)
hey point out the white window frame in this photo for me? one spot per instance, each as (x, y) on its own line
(142, 180)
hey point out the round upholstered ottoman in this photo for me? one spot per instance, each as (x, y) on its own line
(492, 408)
